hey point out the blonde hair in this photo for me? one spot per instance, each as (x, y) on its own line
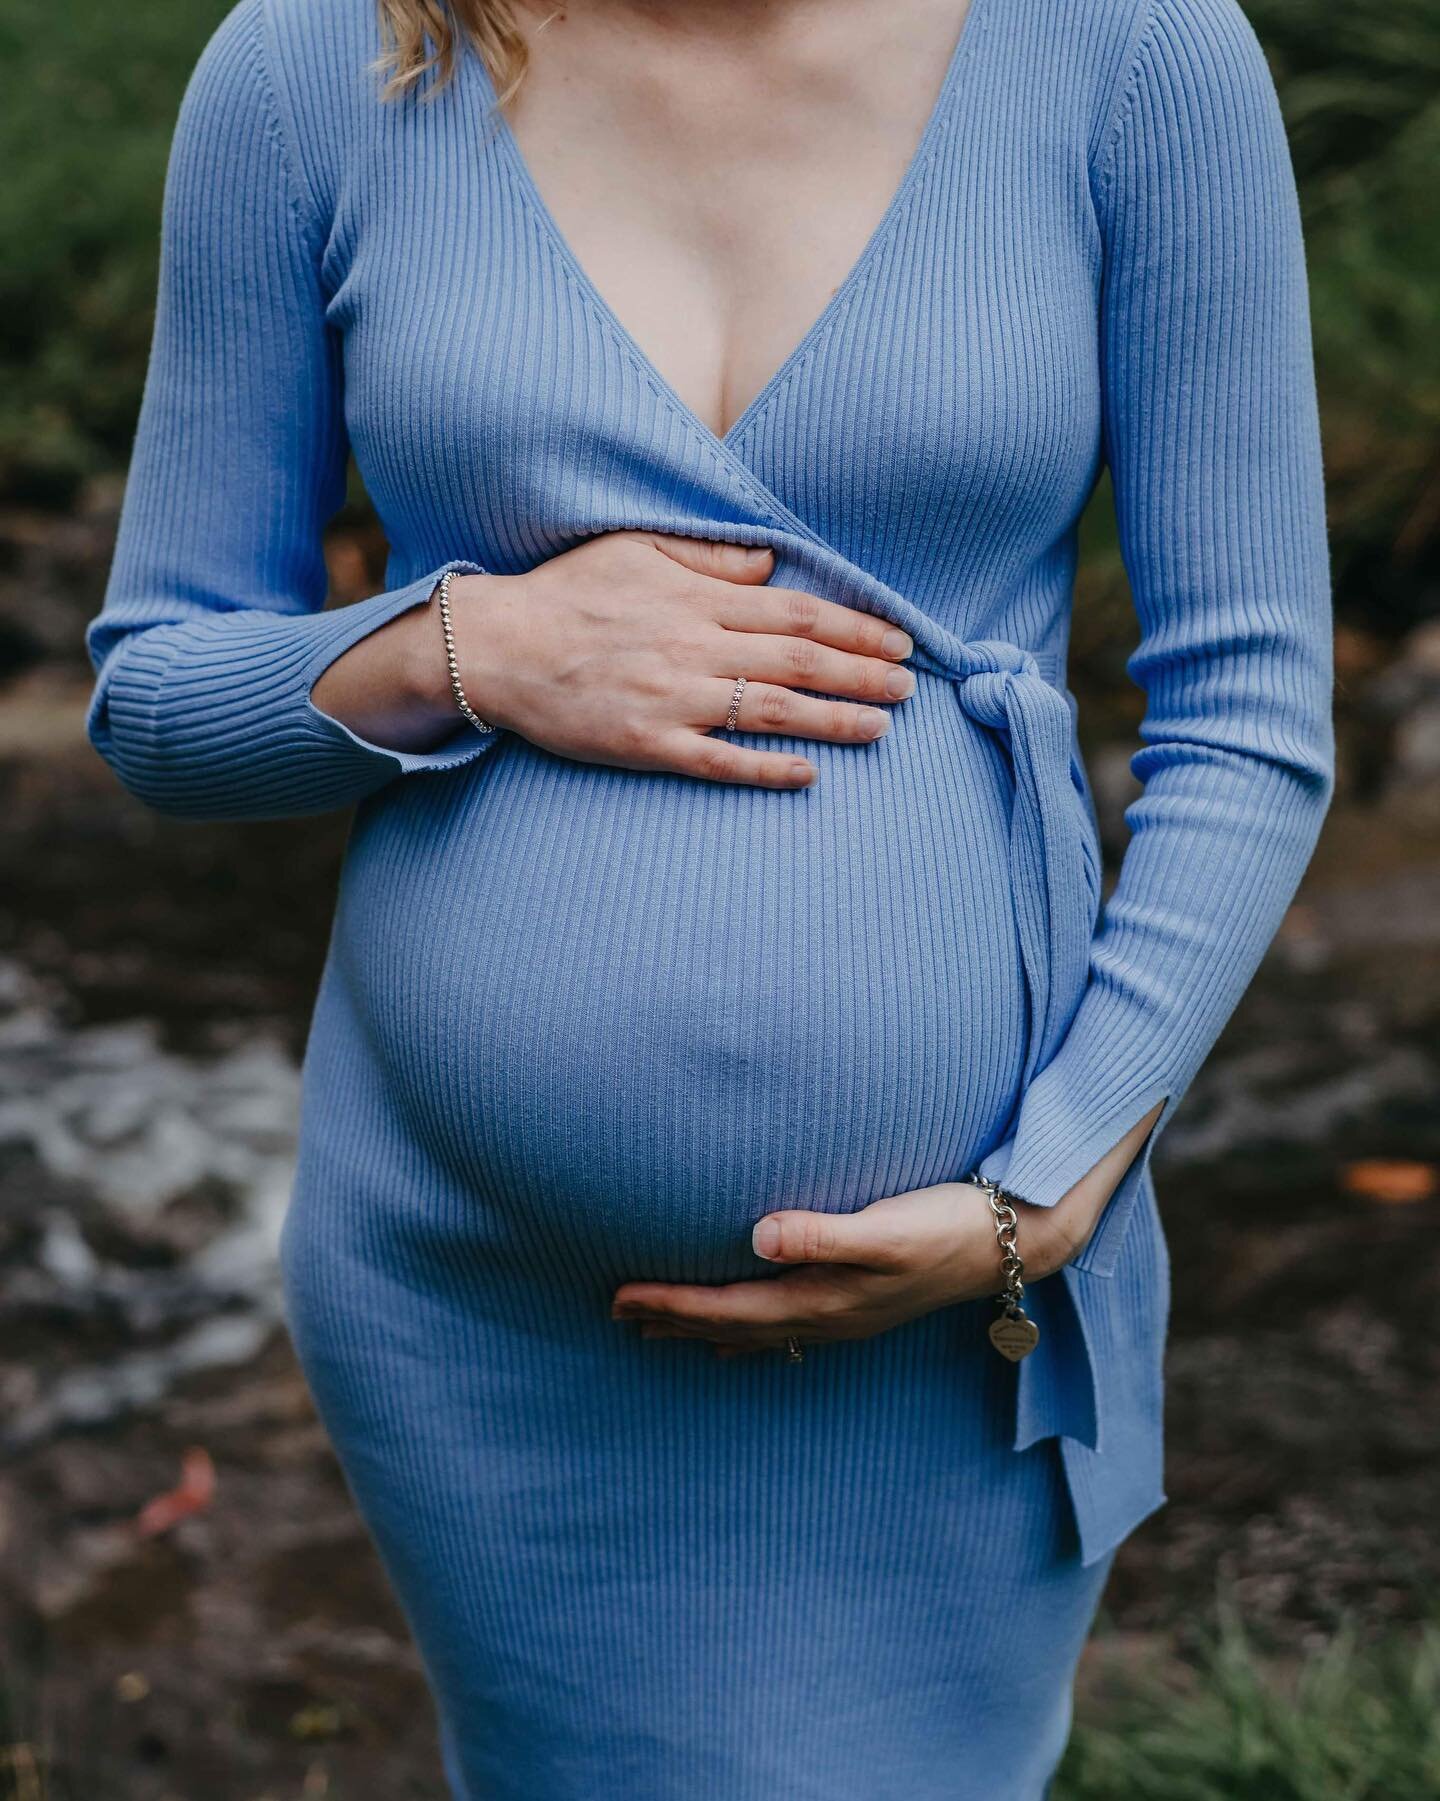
(489, 26)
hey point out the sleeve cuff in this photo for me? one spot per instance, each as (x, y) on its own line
(1060, 1137)
(346, 626)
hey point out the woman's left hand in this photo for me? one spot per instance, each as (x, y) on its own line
(857, 1274)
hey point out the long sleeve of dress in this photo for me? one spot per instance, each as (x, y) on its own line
(212, 629)
(1212, 437)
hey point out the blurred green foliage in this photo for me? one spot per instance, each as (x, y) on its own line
(1354, 1722)
(1360, 89)
(91, 93)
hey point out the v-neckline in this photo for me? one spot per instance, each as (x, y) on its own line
(726, 442)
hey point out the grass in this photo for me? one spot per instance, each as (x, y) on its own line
(1355, 1721)
(1358, 1720)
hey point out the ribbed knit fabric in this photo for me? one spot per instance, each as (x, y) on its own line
(579, 1025)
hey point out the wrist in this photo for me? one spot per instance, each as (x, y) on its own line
(1045, 1242)
(1055, 1234)
(1046, 1238)
(480, 662)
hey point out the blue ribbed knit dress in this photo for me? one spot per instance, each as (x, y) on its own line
(580, 1025)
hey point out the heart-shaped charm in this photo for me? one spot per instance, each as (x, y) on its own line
(1014, 1335)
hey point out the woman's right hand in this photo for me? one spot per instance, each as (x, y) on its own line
(626, 650)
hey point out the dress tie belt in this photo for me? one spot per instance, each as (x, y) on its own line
(1054, 878)
(1054, 873)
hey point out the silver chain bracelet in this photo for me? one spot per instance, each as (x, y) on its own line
(442, 595)
(1014, 1335)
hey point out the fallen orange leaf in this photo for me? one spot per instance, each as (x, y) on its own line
(193, 1494)
(1393, 1181)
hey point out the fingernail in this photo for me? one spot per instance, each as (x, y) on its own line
(896, 643)
(766, 1238)
(754, 552)
(873, 722)
(801, 772)
(899, 683)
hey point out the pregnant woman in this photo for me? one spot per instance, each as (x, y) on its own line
(720, 970)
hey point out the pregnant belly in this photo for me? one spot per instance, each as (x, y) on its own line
(630, 1013)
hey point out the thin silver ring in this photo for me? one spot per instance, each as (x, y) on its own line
(794, 1352)
(733, 715)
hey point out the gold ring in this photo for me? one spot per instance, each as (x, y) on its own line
(733, 715)
(793, 1351)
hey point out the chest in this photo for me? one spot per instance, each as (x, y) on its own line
(717, 186)
(533, 367)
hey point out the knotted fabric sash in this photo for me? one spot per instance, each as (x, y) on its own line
(1054, 873)
(1054, 882)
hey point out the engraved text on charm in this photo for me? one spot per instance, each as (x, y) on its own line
(1014, 1335)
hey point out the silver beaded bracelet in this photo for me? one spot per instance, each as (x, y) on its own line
(442, 595)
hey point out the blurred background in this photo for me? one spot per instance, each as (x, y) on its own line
(189, 1610)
